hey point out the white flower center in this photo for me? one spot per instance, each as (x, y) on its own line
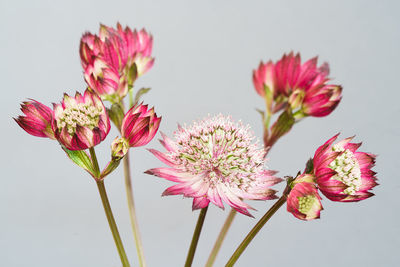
(81, 114)
(306, 203)
(348, 170)
(221, 152)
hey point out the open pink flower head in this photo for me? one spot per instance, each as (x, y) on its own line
(80, 122)
(140, 125)
(304, 201)
(37, 119)
(215, 160)
(108, 59)
(303, 86)
(343, 173)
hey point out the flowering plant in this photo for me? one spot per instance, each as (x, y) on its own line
(214, 160)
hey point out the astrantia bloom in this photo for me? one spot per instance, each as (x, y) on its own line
(80, 122)
(139, 125)
(215, 160)
(124, 47)
(303, 86)
(304, 201)
(105, 81)
(120, 51)
(37, 119)
(342, 173)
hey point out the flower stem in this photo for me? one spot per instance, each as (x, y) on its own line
(132, 212)
(195, 238)
(221, 237)
(111, 222)
(246, 241)
(95, 162)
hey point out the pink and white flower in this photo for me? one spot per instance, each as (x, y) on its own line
(119, 50)
(37, 119)
(105, 81)
(215, 160)
(140, 125)
(302, 86)
(343, 173)
(80, 122)
(304, 202)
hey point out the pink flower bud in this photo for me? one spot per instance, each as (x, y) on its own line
(304, 201)
(343, 173)
(119, 148)
(80, 122)
(37, 119)
(140, 125)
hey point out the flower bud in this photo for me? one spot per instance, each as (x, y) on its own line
(140, 125)
(304, 201)
(37, 119)
(119, 148)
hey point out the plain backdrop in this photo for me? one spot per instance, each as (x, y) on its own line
(50, 210)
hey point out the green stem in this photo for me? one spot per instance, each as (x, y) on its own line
(256, 229)
(195, 238)
(267, 119)
(221, 237)
(111, 222)
(95, 162)
(131, 101)
(132, 212)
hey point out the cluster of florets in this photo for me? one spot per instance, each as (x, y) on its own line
(215, 159)
(219, 150)
(347, 169)
(80, 115)
(340, 172)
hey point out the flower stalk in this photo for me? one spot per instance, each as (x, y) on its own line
(250, 236)
(221, 238)
(196, 236)
(108, 211)
(132, 211)
(111, 222)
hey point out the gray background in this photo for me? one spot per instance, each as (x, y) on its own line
(50, 211)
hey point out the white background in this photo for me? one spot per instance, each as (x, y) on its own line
(50, 211)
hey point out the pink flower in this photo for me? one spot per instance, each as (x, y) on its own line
(302, 86)
(304, 201)
(124, 47)
(215, 160)
(343, 173)
(124, 55)
(140, 125)
(80, 122)
(105, 81)
(37, 119)
(321, 100)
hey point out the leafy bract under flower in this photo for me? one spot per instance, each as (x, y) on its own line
(215, 160)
